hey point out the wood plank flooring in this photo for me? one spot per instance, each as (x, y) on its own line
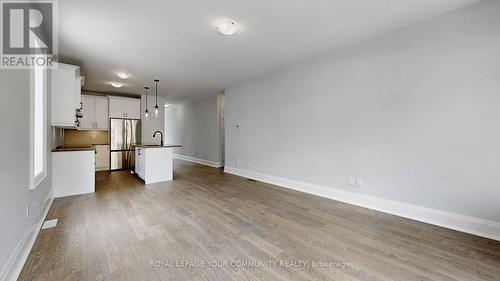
(207, 225)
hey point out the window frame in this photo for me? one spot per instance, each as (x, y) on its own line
(35, 180)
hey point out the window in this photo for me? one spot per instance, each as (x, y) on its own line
(38, 126)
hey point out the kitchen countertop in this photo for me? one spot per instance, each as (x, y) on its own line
(66, 149)
(157, 145)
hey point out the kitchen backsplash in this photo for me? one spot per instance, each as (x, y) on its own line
(76, 138)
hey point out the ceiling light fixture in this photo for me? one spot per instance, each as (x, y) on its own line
(116, 84)
(227, 26)
(146, 111)
(157, 109)
(122, 75)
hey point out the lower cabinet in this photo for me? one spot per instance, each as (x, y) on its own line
(73, 172)
(139, 162)
(102, 157)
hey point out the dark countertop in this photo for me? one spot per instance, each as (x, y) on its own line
(157, 145)
(66, 149)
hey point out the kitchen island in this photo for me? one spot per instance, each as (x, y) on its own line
(154, 163)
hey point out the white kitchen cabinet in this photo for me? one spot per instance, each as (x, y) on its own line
(120, 107)
(80, 80)
(133, 108)
(153, 163)
(102, 157)
(65, 90)
(87, 121)
(73, 172)
(95, 113)
(139, 162)
(101, 115)
(116, 108)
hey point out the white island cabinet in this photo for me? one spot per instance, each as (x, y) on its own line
(154, 163)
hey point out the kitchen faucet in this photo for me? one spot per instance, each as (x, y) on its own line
(161, 134)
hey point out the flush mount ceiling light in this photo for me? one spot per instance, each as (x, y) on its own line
(227, 26)
(122, 75)
(116, 84)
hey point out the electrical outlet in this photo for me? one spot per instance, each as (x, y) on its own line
(359, 182)
(237, 162)
(351, 181)
(248, 164)
(194, 153)
(27, 211)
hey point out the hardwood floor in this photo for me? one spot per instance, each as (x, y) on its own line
(128, 231)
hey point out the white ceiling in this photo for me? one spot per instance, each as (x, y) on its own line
(176, 40)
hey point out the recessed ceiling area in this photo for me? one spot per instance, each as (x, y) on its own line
(178, 41)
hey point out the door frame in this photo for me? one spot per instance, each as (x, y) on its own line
(222, 138)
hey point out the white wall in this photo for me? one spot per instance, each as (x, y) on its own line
(151, 125)
(415, 114)
(14, 167)
(195, 126)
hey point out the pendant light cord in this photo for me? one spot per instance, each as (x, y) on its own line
(156, 82)
(146, 88)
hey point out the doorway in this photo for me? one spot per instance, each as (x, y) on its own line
(222, 138)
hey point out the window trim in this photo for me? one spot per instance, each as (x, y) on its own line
(34, 181)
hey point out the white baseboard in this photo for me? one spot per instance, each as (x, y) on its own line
(463, 223)
(15, 263)
(198, 160)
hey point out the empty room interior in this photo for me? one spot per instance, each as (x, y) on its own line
(250, 140)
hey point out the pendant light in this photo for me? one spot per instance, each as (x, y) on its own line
(157, 109)
(146, 111)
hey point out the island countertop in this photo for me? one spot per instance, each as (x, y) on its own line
(154, 162)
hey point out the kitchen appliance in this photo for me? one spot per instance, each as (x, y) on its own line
(124, 134)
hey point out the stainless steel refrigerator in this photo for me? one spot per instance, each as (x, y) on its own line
(124, 134)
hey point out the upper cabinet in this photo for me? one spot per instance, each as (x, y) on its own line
(116, 107)
(66, 84)
(124, 107)
(87, 121)
(133, 108)
(101, 116)
(95, 113)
